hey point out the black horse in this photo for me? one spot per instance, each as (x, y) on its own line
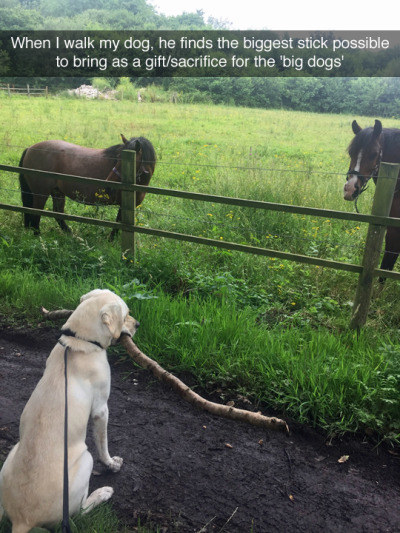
(369, 147)
(67, 158)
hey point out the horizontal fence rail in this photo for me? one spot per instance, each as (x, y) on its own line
(226, 245)
(66, 177)
(30, 91)
(65, 216)
(285, 208)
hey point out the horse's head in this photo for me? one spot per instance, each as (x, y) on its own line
(365, 153)
(145, 157)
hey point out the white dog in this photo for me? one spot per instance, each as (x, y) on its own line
(31, 480)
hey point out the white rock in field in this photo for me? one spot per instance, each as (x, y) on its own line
(87, 91)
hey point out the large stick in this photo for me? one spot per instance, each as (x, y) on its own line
(186, 392)
(55, 315)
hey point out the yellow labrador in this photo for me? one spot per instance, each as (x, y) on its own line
(31, 480)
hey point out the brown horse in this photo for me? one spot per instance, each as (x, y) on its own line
(369, 147)
(67, 158)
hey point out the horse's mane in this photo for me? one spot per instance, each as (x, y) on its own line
(148, 152)
(114, 151)
(391, 137)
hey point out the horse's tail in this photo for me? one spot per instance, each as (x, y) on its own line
(26, 193)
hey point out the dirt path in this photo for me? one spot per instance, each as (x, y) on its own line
(184, 469)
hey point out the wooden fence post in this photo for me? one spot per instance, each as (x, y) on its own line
(385, 186)
(128, 201)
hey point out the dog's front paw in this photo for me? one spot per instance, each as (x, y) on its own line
(115, 464)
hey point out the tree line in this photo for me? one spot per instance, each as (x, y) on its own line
(99, 15)
(361, 96)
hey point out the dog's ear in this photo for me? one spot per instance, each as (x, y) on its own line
(111, 316)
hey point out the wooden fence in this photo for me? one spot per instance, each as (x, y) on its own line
(378, 221)
(27, 89)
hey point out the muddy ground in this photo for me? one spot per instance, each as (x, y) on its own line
(188, 471)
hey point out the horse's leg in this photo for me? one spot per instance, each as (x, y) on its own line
(115, 230)
(26, 193)
(392, 240)
(392, 250)
(33, 221)
(58, 206)
(29, 199)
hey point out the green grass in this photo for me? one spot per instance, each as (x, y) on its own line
(273, 329)
(340, 382)
(102, 519)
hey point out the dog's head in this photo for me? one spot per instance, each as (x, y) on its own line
(101, 317)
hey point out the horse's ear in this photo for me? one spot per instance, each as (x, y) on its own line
(137, 146)
(355, 127)
(124, 139)
(377, 128)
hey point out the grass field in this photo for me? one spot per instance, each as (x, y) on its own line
(275, 330)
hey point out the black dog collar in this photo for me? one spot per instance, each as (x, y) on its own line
(69, 333)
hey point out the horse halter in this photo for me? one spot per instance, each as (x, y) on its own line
(116, 172)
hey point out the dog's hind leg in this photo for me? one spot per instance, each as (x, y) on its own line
(79, 483)
(79, 488)
(97, 497)
(19, 524)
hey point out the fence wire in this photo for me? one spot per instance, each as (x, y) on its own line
(193, 163)
(180, 164)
